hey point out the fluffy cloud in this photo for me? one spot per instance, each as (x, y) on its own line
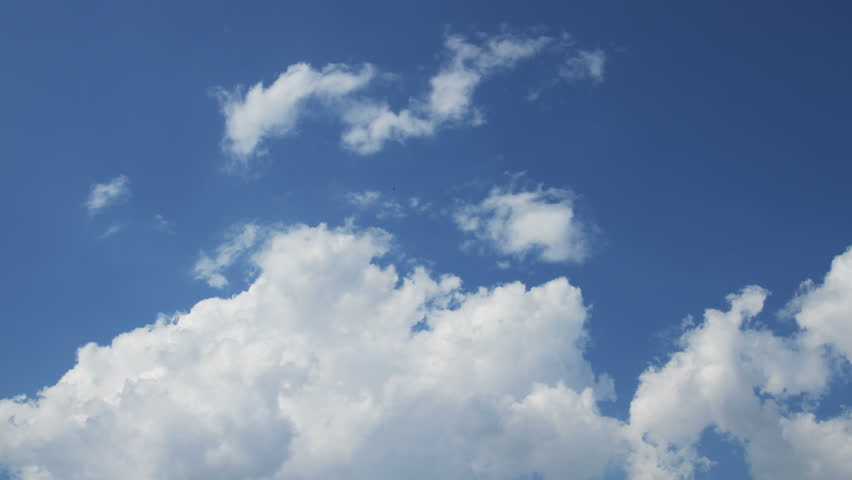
(450, 99)
(369, 123)
(274, 111)
(316, 372)
(539, 222)
(103, 195)
(240, 239)
(744, 382)
(334, 364)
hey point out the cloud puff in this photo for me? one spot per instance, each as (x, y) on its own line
(744, 382)
(369, 123)
(315, 372)
(239, 240)
(450, 98)
(264, 112)
(538, 222)
(103, 195)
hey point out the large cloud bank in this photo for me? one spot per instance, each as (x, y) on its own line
(334, 364)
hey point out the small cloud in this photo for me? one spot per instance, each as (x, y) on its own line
(103, 195)
(239, 240)
(585, 64)
(539, 222)
(365, 199)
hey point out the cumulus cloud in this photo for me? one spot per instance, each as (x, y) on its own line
(540, 223)
(450, 98)
(369, 123)
(240, 239)
(334, 364)
(103, 195)
(273, 111)
(315, 372)
(745, 382)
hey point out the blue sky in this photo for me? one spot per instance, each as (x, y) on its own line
(658, 156)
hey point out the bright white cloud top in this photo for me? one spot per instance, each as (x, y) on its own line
(102, 195)
(315, 372)
(539, 223)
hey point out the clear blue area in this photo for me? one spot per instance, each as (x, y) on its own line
(716, 154)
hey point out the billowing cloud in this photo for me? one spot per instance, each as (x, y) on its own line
(749, 384)
(315, 372)
(273, 111)
(450, 98)
(538, 223)
(240, 239)
(334, 364)
(103, 195)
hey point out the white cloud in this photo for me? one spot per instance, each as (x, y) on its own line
(584, 64)
(825, 311)
(239, 240)
(539, 222)
(314, 372)
(450, 99)
(744, 382)
(103, 195)
(274, 111)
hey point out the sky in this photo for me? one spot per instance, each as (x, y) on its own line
(492, 240)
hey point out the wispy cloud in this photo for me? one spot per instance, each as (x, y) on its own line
(239, 240)
(585, 64)
(450, 98)
(103, 195)
(370, 123)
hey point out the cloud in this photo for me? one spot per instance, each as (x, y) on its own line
(267, 112)
(239, 240)
(110, 231)
(335, 364)
(746, 382)
(274, 111)
(540, 223)
(377, 203)
(315, 372)
(103, 195)
(450, 98)
(825, 311)
(584, 64)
